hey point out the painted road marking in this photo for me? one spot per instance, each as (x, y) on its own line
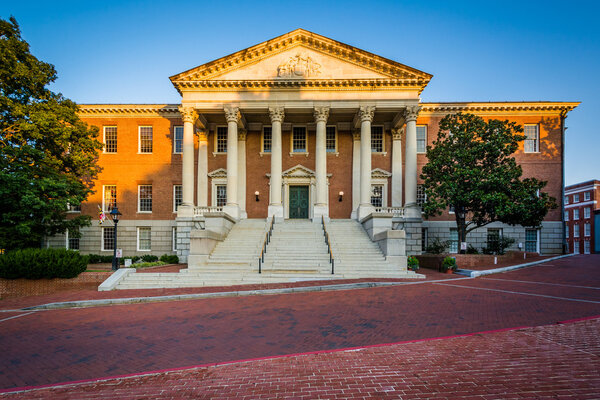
(16, 316)
(544, 283)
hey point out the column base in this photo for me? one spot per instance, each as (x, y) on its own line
(412, 210)
(185, 211)
(320, 211)
(276, 211)
(233, 210)
(364, 210)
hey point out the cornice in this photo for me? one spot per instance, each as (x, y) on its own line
(497, 107)
(129, 110)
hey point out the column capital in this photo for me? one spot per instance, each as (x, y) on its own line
(356, 135)
(411, 113)
(202, 134)
(321, 114)
(397, 133)
(188, 114)
(232, 114)
(277, 114)
(366, 113)
(242, 134)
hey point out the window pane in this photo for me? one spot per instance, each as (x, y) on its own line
(299, 139)
(586, 247)
(493, 238)
(576, 213)
(421, 197)
(424, 239)
(575, 198)
(174, 238)
(145, 139)
(267, 139)
(531, 240)
(586, 196)
(587, 229)
(177, 196)
(110, 197)
(145, 197)
(531, 141)
(377, 195)
(576, 230)
(330, 139)
(221, 195)
(421, 139)
(108, 242)
(144, 242)
(178, 139)
(377, 139)
(453, 240)
(222, 139)
(73, 242)
(586, 212)
(110, 139)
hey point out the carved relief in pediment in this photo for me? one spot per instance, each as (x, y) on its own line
(299, 66)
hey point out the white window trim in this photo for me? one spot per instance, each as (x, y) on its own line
(576, 214)
(214, 183)
(299, 153)
(425, 151)
(384, 191)
(262, 140)
(576, 199)
(576, 231)
(140, 139)
(175, 139)
(589, 247)
(104, 197)
(587, 213)
(587, 203)
(104, 139)
(102, 238)
(587, 196)
(566, 215)
(537, 139)
(587, 233)
(336, 151)
(576, 247)
(537, 239)
(139, 199)
(174, 198)
(216, 137)
(174, 238)
(138, 238)
(383, 149)
(450, 240)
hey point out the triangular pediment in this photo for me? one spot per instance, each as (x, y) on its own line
(380, 173)
(299, 171)
(300, 56)
(218, 173)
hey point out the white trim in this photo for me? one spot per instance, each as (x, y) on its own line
(586, 203)
(383, 151)
(102, 238)
(104, 139)
(138, 238)
(140, 137)
(174, 196)
(537, 239)
(175, 139)
(262, 140)
(174, 238)
(104, 196)
(335, 151)
(425, 151)
(214, 183)
(67, 241)
(582, 189)
(139, 199)
(537, 139)
(299, 153)
(216, 138)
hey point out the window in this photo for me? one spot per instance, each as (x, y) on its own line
(531, 139)
(178, 139)
(586, 247)
(72, 239)
(421, 138)
(493, 238)
(586, 212)
(267, 139)
(330, 139)
(576, 247)
(567, 232)
(109, 197)
(299, 139)
(567, 247)
(421, 196)
(576, 230)
(145, 141)
(566, 215)
(110, 139)
(221, 195)
(377, 139)
(377, 195)
(587, 229)
(451, 209)
(575, 198)
(145, 198)
(566, 199)
(453, 240)
(586, 196)
(144, 243)
(221, 139)
(108, 238)
(531, 240)
(575, 214)
(74, 208)
(177, 196)
(174, 238)
(424, 239)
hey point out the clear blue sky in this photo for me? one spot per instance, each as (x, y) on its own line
(124, 51)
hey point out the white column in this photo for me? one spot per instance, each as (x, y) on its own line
(411, 160)
(233, 116)
(275, 205)
(187, 173)
(202, 168)
(242, 172)
(397, 167)
(355, 173)
(321, 208)
(366, 117)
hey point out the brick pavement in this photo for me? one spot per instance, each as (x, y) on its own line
(552, 361)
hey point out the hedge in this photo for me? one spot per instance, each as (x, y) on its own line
(42, 263)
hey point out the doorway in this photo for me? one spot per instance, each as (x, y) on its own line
(299, 202)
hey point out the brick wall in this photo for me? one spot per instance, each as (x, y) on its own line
(28, 287)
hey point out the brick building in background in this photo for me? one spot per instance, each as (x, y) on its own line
(582, 213)
(292, 117)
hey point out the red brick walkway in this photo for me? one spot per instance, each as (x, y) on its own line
(556, 361)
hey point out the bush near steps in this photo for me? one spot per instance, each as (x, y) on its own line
(42, 263)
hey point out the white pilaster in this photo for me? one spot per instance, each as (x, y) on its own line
(242, 172)
(321, 208)
(189, 116)
(233, 116)
(411, 161)
(275, 205)
(202, 168)
(366, 114)
(397, 167)
(355, 173)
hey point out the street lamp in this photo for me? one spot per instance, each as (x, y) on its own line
(114, 214)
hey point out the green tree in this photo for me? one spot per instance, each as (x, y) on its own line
(47, 155)
(470, 167)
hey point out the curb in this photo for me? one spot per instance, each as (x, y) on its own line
(475, 274)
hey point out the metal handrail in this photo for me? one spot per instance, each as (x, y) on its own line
(261, 258)
(328, 243)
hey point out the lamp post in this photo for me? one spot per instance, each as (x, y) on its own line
(114, 213)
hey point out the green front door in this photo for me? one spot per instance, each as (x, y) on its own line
(298, 201)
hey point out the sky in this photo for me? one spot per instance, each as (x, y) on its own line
(124, 51)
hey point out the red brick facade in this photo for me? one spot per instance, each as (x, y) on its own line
(581, 206)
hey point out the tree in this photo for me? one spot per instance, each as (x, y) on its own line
(471, 167)
(47, 155)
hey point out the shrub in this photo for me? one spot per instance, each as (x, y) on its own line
(149, 258)
(169, 259)
(449, 263)
(42, 263)
(499, 247)
(437, 246)
(412, 263)
(97, 258)
(472, 250)
(148, 264)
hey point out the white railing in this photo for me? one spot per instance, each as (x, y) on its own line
(396, 211)
(200, 211)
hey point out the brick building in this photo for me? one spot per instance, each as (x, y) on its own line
(581, 214)
(298, 127)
